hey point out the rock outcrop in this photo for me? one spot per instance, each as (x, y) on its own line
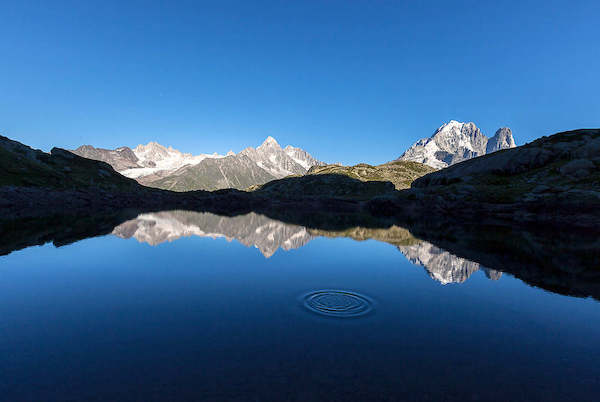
(503, 139)
(23, 166)
(120, 159)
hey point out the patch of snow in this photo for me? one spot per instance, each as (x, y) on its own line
(163, 159)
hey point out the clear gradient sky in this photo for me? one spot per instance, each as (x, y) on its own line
(350, 81)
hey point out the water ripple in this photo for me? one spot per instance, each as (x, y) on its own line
(337, 303)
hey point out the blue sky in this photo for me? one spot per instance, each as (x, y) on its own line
(349, 81)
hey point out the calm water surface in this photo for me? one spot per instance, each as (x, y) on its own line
(257, 310)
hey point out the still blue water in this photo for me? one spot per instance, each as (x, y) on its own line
(199, 318)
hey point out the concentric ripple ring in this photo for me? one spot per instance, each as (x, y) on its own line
(337, 303)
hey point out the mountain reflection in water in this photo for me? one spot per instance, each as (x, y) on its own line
(558, 261)
(269, 235)
(256, 230)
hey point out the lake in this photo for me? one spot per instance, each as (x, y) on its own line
(181, 305)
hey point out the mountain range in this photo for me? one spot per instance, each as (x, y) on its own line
(155, 165)
(455, 142)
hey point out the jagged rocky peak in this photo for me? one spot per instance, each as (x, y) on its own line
(455, 136)
(503, 139)
(269, 142)
(279, 162)
(302, 157)
(153, 150)
(455, 142)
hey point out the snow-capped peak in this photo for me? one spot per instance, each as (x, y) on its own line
(454, 142)
(155, 157)
(279, 162)
(152, 147)
(451, 123)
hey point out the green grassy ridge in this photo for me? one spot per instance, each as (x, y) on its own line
(400, 173)
(358, 182)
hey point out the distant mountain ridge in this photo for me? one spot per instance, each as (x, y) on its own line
(143, 160)
(155, 165)
(455, 142)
